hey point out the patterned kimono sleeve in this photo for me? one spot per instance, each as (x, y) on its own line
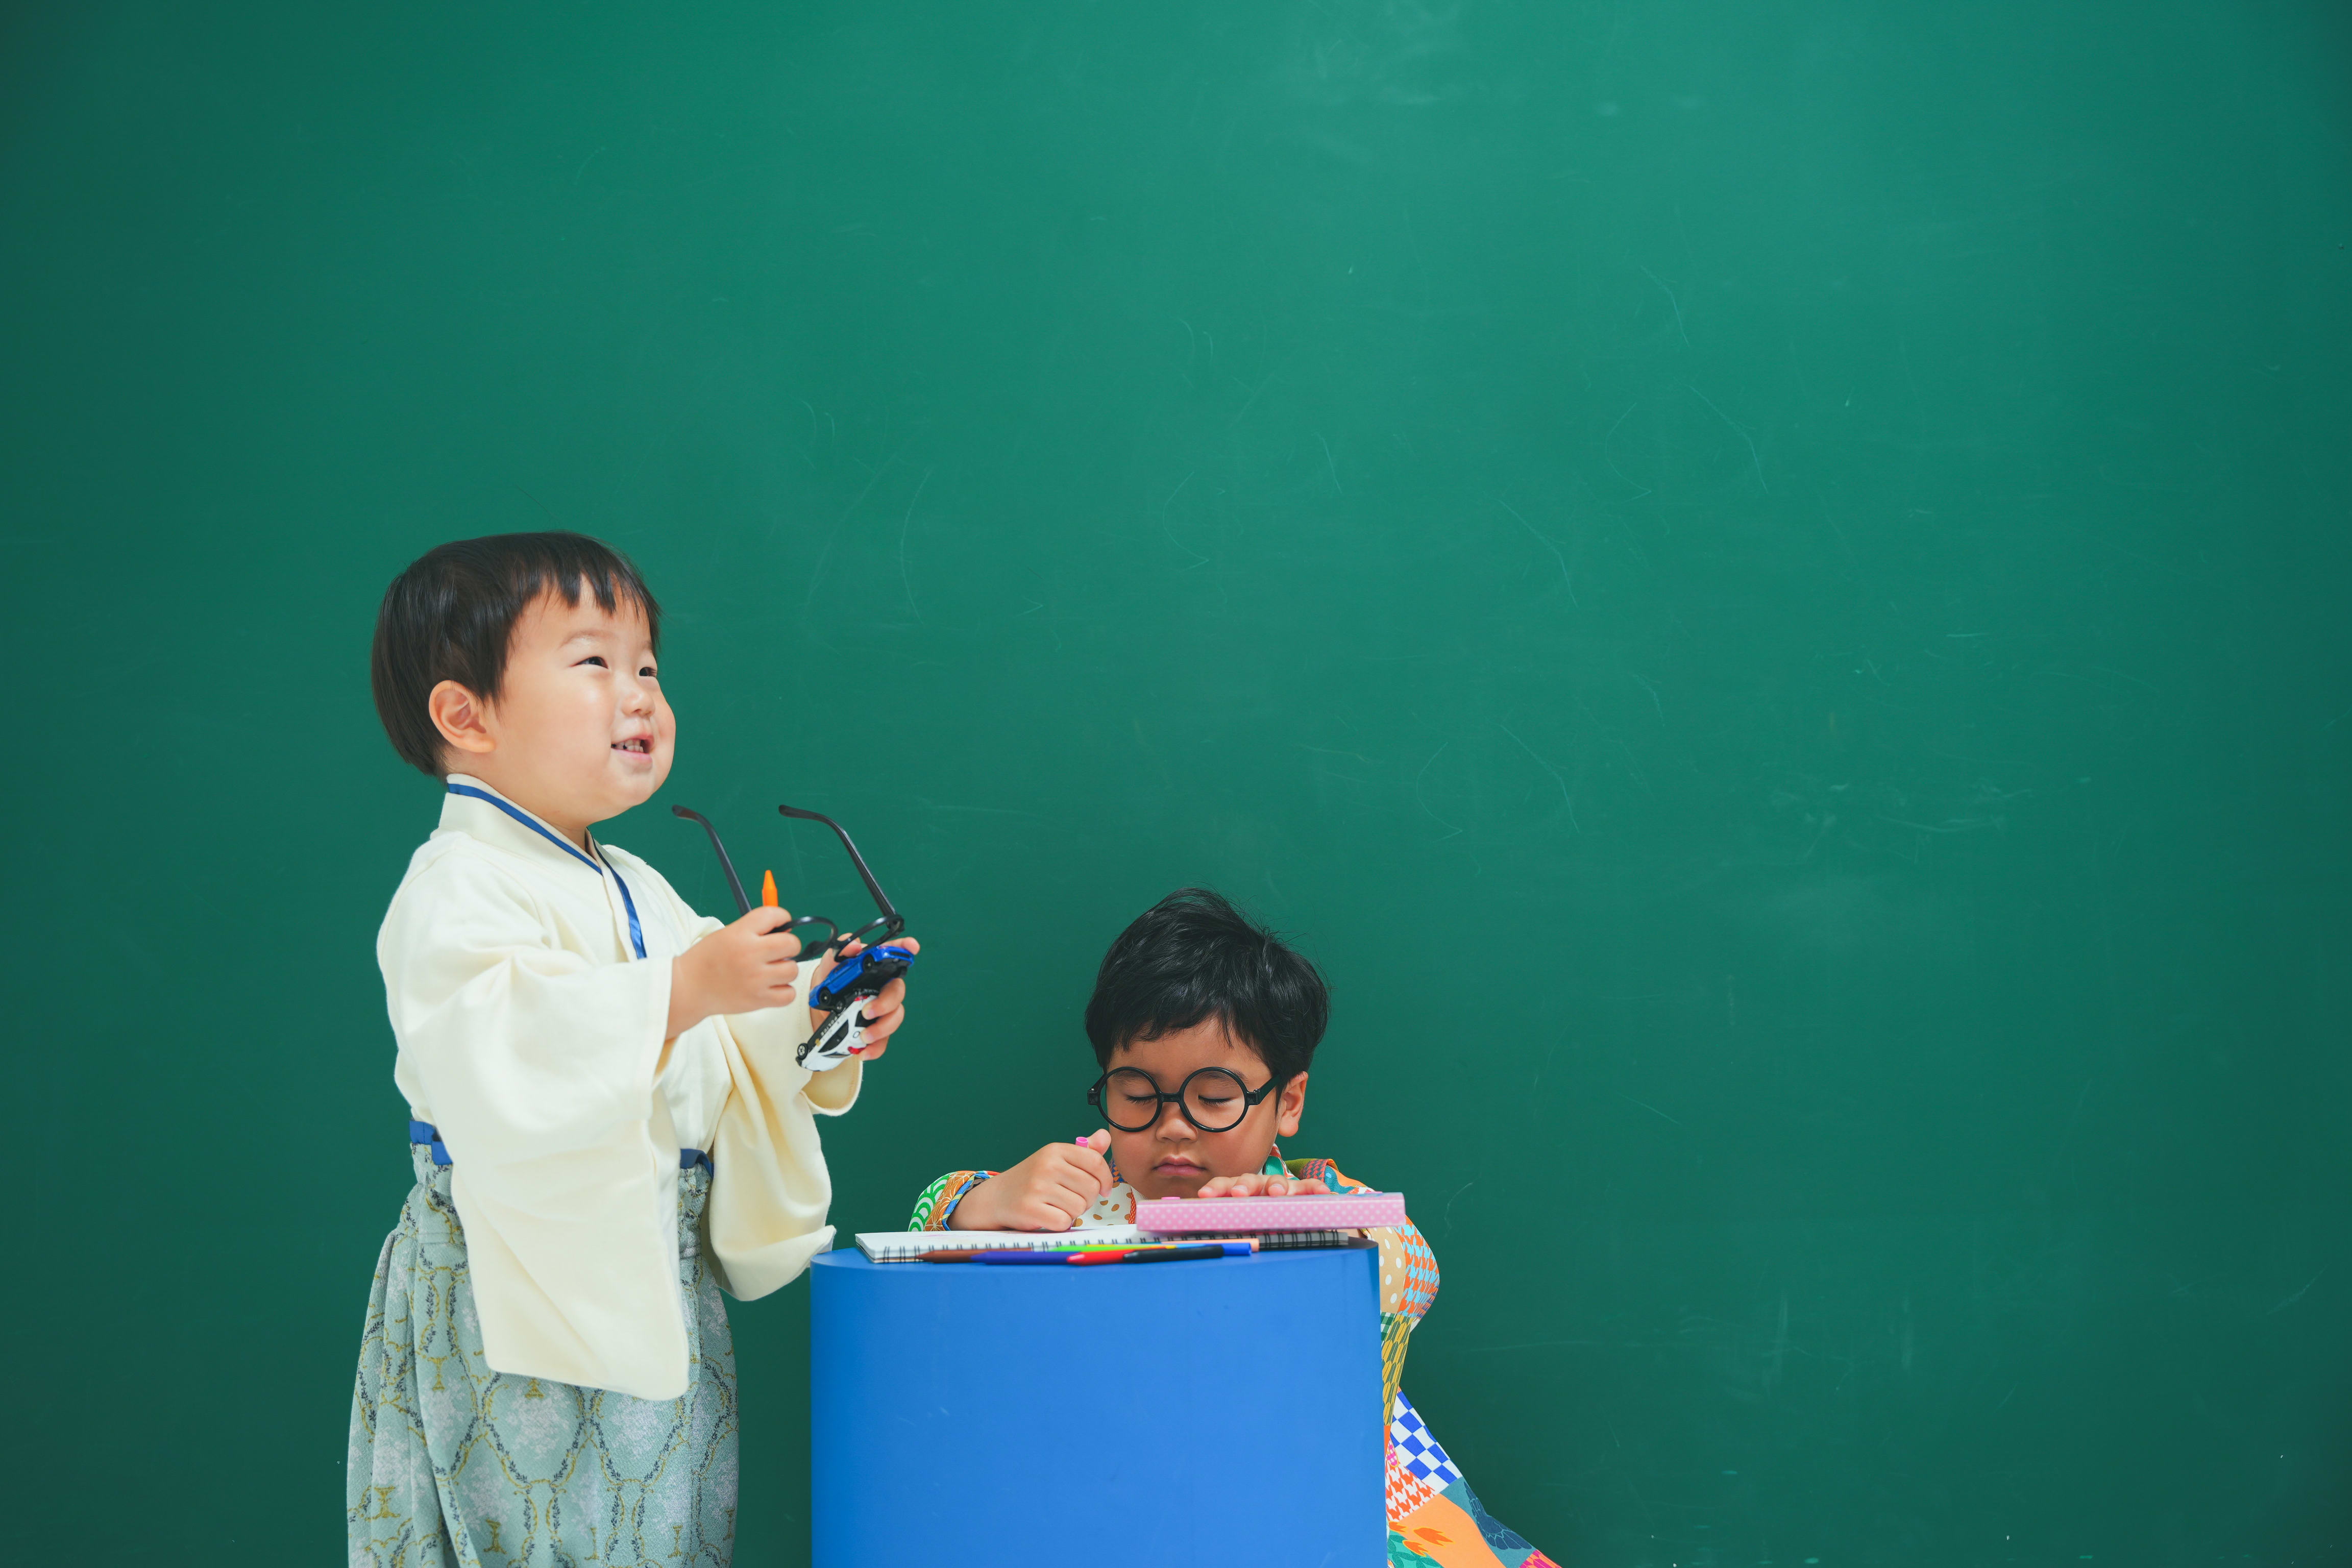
(1408, 1276)
(939, 1201)
(1408, 1269)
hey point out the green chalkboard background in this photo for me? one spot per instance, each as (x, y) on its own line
(1765, 585)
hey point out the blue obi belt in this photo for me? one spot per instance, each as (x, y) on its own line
(426, 1133)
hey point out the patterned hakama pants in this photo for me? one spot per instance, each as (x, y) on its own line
(455, 1466)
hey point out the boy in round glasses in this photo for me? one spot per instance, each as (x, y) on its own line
(1203, 1024)
(608, 1122)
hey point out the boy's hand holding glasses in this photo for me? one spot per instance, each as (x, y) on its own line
(754, 963)
(740, 968)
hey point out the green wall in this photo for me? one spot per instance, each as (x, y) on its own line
(1764, 584)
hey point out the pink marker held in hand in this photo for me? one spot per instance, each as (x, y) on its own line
(1087, 1143)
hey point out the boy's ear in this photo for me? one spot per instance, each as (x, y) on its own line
(1289, 1105)
(462, 718)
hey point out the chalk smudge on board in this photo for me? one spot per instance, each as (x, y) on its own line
(1566, 576)
(1566, 799)
(1677, 304)
(1752, 455)
(904, 581)
(1651, 1108)
(1421, 801)
(2298, 1296)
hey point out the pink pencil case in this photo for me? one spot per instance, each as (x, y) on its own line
(1233, 1217)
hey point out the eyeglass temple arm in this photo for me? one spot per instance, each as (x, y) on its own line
(881, 901)
(734, 883)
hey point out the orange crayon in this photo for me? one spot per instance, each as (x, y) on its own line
(768, 890)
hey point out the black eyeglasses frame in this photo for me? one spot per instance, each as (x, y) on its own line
(873, 933)
(1251, 1097)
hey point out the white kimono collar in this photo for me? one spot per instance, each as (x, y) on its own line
(513, 827)
(462, 811)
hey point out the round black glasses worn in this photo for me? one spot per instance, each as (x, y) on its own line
(1211, 1098)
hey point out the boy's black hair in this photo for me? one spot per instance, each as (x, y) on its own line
(1192, 957)
(451, 617)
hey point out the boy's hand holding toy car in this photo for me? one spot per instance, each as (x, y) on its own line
(842, 1028)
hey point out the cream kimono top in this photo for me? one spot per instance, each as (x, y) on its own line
(529, 986)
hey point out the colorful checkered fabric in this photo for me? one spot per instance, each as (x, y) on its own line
(1417, 1448)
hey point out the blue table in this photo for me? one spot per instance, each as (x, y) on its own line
(1224, 1412)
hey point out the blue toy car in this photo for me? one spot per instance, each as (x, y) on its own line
(839, 1001)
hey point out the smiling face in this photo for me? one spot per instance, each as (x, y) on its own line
(1172, 1158)
(579, 730)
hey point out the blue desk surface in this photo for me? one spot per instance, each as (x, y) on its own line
(1224, 1412)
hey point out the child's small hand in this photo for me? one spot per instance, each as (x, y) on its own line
(884, 1013)
(1257, 1186)
(1051, 1190)
(739, 968)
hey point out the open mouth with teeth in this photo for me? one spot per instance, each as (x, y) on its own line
(635, 745)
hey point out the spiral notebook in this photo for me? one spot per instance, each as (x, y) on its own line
(906, 1246)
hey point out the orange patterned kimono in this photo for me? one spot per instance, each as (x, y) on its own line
(1433, 1516)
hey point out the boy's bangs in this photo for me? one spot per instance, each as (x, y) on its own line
(609, 578)
(1181, 1007)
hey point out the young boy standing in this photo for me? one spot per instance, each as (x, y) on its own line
(1203, 1024)
(607, 1124)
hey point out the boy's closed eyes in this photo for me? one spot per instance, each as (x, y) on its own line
(1165, 1156)
(1173, 1158)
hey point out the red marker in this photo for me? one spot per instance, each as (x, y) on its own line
(1169, 1254)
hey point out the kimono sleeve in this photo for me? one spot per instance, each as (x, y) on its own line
(538, 1065)
(769, 1189)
